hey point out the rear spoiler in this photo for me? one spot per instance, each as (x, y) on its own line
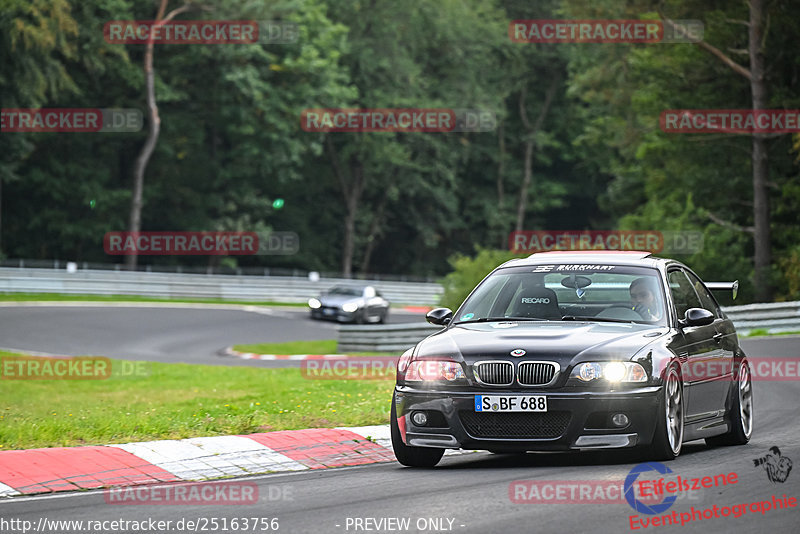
(724, 286)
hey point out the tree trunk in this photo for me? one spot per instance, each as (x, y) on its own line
(348, 245)
(760, 158)
(374, 229)
(530, 143)
(351, 191)
(135, 216)
(501, 190)
(501, 166)
(1, 218)
(527, 177)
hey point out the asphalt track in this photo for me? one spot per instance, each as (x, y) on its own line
(472, 490)
(161, 334)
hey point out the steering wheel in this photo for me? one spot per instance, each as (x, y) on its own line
(645, 314)
(629, 311)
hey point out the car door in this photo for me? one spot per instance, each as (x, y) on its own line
(698, 349)
(372, 303)
(383, 304)
(725, 337)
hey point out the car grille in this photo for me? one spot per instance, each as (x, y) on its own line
(514, 425)
(494, 373)
(535, 373)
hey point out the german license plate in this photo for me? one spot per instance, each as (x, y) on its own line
(510, 403)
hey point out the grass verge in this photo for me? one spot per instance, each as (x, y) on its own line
(324, 346)
(759, 332)
(177, 401)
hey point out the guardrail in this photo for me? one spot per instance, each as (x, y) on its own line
(204, 269)
(383, 338)
(173, 285)
(774, 318)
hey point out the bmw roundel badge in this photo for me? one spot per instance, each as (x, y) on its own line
(518, 352)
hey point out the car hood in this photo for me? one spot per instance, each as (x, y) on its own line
(562, 342)
(337, 300)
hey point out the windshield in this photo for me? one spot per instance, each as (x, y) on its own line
(350, 291)
(608, 293)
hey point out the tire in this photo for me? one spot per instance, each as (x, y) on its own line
(382, 317)
(411, 456)
(740, 417)
(668, 438)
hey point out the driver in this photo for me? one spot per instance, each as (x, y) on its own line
(643, 298)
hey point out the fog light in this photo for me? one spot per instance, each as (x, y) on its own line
(620, 420)
(419, 418)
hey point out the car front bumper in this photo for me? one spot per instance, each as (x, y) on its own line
(575, 420)
(334, 314)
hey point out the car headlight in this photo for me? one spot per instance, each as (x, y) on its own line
(350, 307)
(314, 304)
(611, 371)
(432, 370)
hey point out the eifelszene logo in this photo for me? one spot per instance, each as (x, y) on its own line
(636, 504)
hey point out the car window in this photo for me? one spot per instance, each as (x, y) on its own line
(683, 295)
(706, 299)
(354, 292)
(551, 292)
(489, 299)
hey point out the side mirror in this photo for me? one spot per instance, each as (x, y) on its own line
(698, 317)
(439, 316)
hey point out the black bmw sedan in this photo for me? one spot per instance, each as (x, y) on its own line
(576, 351)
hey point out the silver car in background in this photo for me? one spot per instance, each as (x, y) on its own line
(350, 304)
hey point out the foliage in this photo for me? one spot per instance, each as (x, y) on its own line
(231, 140)
(468, 271)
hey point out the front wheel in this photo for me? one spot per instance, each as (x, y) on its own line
(740, 418)
(411, 456)
(668, 438)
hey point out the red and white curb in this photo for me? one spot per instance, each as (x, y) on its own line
(253, 356)
(80, 468)
(73, 468)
